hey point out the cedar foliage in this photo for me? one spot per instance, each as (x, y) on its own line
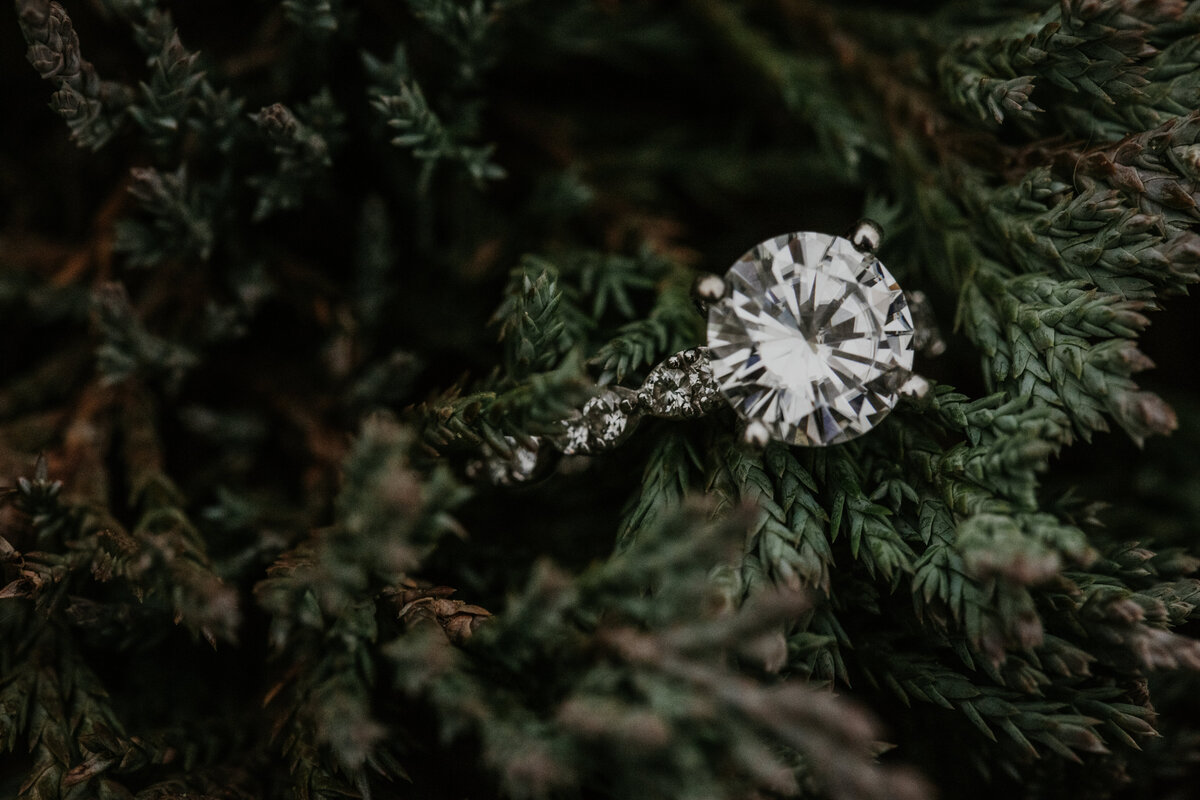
(292, 269)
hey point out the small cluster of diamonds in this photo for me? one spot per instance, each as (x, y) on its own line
(681, 386)
(519, 465)
(602, 422)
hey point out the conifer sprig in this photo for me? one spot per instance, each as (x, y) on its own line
(398, 98)
(670, 326)
(322, 596)
(591, 717)
(92, 108)
(168, 98)
(539, 320)
(128, 347)
(1095, 59)
(303, 153)
(181, 214)
(317, 17)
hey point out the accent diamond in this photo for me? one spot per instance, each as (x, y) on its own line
(681, 386)
(520, 464)
(600, 424)
(812, 338)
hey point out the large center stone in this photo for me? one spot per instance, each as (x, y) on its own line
(812, 338)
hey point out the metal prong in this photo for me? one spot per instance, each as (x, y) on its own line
(627, 399)
(708, 288)
(915, 387)
(866, 235)
(756, 436)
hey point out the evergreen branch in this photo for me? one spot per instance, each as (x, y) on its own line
(1133, 625)
(322, 599)
(795, 716)
(670, 326)
(1126, 231)
(984, 555)
(397, 97)
(1021, 353)
(465, 26)
(168, 99)
(788, 546)
(178, 98)
(539, 321)
(1073, 308)
(1180, 599)
(52, 522)
(540, 402)
(388, 518)
(815, 648)
(92, 108)
(325, 731)
(50, 698)
(164, 556)
(1025, 726)
(543, 330)
(542, 740)
(672, 469)
(1085, 380)
(1156, 171)
(789, 541)
(863, 521)
(181, 223)
(944, 590)
(317, 18)
(449, 422)
(129, 348)
(302, 152)
(219, 118)
(106, 753)
(609, 278)
(501, 413)
(1023, 548)
(1089, 51)
(52, 702)
(1032, 349)
(988, 98)
(1170, 90)
(1123, 722)
(1008, 441)
(162, 563)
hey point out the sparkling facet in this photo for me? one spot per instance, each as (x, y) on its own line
(600, 424)
(520, 464)
(812, 338)
(681, 386)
